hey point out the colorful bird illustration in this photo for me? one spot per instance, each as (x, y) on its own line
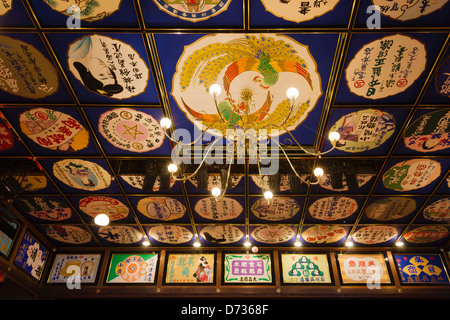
(261, 54)
(268, 69)
(265, 55)
(231, 112)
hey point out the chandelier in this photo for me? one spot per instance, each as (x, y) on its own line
(237, 121)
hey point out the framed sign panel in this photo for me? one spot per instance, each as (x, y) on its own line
(31, 257)
(247, 268)
(188, 268)
(8, 233)
(421, 269)
(366, 269)
(84, 266)
(305, 269)
(132, 268)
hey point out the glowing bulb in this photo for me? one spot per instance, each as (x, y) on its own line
(334, 136)
(247, 243)
(215, 192)
(297, 243)
(399, 243)
(292, 93)
(146, 243)
(172, 168)
(101, 219)
(318, 172)
(268, 195)
(197, 244)
(349, 243)
(165, 123)
(215, 89)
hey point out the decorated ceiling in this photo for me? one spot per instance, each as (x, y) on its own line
(81, 103)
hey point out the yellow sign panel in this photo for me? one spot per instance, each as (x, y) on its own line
(190, 268)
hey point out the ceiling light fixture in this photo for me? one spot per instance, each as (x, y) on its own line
(348, 243)
(239, 121)
(399, 243)
(196, 243)
(146, 242)
(101, 220)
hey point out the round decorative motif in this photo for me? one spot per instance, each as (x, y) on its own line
(161, 208)
(221, 234)
(273, 234)
(280, 208)
(386, 66)
(426, 234)
(170, 234)
(131, 130)
(81, 174)
(120, 234)
(324, 234)
(263, 65)
(333, 208)
(438, 210)
(113, 208)
(68, 234)
(54, 130)
(26, 72)
(374, 234)
(391, 208)
(108, 67)
(363, 130)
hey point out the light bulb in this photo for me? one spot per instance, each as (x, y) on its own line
(215, 192)
(349, 243)
(165, 123)
(318, 172)
(215, 89)
(101, 220)
(292, 93)
(268, 195)
(172, 168)
(146, 243)
(297, 243)
(399, 243)
(334, 136)
(247, 243)
(197, 244)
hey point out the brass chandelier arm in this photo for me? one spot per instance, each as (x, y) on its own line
(298, 144)
(259, 171)
(219, 198)
(292, 167)
(303, 149)
(266, 194)
(238, 116)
